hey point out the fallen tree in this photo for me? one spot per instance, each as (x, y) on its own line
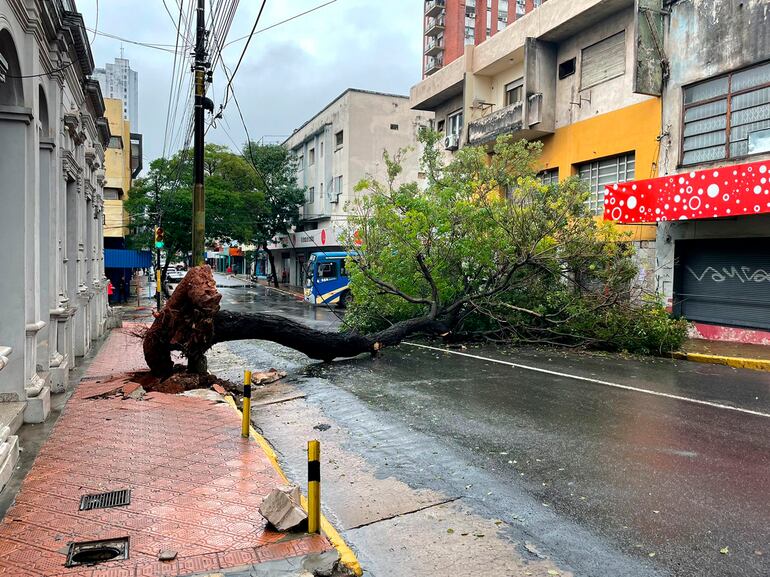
(191, 322)
(485, 251)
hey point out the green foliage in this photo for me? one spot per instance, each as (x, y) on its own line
(249, 198)
(492, 252)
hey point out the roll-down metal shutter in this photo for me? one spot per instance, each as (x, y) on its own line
(724, 281)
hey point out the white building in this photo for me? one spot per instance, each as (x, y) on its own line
(341, 145)
(53, 301)
(119, 81)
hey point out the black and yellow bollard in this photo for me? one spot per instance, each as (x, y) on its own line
(246, 404)
(313, 486)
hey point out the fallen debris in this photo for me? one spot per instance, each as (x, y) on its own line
(167, 555)
(267, 377)
(322, 427)
(282, 508)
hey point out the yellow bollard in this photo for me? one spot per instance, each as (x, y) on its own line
(313, 486)
(246, 404)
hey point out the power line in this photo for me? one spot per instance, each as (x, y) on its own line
(243, 53)
(289, 19)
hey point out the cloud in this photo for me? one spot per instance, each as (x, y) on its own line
(288, 74)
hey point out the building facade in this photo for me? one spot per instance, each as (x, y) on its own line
(119, 81)
(52, 138)
(711, 201)
(448, 25)
(337, 148)
(568, 75)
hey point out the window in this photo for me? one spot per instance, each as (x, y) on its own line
(394, 126)
(321, 191)
(521, 8)
(440, 126)
(327, 270)
(455, 123)
(338, 185)
(549, 176)
(603, 61)
(610, 170)
(311, 157)
(338, 139)
(310, 194)
(744, 98)
(112, 194)
(115, 142)
(514, 92)
(321, 149)
(566, 68)
(301, 161)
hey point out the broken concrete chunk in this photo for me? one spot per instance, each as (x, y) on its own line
(137, 393)
(219, 388)
(167, 555)
(282, 508)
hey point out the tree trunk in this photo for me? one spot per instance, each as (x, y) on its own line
(191, 322)
(272, 265)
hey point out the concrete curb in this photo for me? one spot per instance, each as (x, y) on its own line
(736, 362)
(347, 557)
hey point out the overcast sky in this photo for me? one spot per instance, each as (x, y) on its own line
(289, 72)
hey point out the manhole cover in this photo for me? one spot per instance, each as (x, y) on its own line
(93, 552)
(105, 500)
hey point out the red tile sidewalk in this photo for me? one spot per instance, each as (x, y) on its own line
(195, 484)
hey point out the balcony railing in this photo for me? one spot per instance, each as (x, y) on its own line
(435, 26)
(434, 46)
(434, 7)
(504, 121)
(432, 64)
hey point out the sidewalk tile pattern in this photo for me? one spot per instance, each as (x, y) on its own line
(195, 484)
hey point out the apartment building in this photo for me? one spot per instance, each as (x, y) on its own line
(451, 24)
(118, 80)
(338, 147)
(711, 200)
(570, 74)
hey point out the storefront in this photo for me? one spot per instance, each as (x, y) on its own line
(712, 246)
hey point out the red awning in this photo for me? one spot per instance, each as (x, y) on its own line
(736, 190)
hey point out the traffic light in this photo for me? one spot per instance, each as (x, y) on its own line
(159, 237)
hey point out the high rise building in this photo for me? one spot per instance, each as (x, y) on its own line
(451, 24)
(117, 80)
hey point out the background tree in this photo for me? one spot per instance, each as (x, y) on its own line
(275, 209)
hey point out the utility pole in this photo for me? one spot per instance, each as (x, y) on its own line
(199, 195)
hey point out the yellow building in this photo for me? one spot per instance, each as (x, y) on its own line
(569, 74)
(117, 163)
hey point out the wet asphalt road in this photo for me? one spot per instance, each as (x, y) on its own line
(608, 480)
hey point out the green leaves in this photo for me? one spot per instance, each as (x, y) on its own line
(487, 248)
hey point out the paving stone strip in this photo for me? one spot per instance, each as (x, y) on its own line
(195, 484)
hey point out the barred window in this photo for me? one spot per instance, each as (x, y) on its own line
(727, 117)
(549, 176)
(598, 173)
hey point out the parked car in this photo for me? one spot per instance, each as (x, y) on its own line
(175, 276)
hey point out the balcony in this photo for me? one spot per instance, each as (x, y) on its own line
(507, 120)
(433, 64)
(434, 7)
(435, 26)
(434, 46)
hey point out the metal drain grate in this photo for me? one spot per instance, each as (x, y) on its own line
(105, 500)
(93, 552)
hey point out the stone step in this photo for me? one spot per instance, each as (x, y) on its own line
(12, 416)
(38, 407)
(9, 455)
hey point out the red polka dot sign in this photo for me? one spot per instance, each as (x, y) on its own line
(736, 190)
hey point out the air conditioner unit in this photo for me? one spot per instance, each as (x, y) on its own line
(451, 141)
